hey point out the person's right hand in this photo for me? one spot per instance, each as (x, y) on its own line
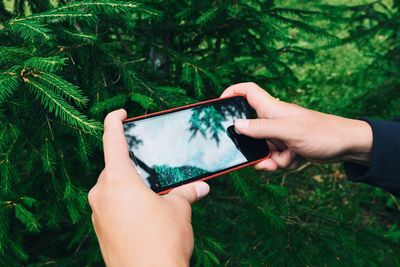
(134, 225)
(292, 130)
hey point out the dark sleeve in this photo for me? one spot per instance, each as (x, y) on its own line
(384, 168)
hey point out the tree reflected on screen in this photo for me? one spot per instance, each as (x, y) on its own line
(206, 120)
(209, 119)
(171, 175)
(133, 141)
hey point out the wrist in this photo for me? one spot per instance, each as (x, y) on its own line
(151, 258)
(151, 261)
(358, 142)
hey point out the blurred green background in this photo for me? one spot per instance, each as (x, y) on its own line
(65, 64)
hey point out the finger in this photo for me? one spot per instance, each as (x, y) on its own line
(283, 159)
(272, 146)
(257, 97)
(279, 144)
(191, 192)
(266, 165)
(295, 164)
(116, 153)
(265, 128)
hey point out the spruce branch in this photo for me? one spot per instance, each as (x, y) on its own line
(27, 218)
(191, 69)
(8, 84)
(9, 133)
(79, 36)
(29, 201)
(109, 103)
(55, 17)
(48, 64)
(207, 16)
(57, 105)
(48, 156)
(8, 173)
(62, 87)
(173, 96)
(85, 149)
(242, 188)
(69, 191)
(143, 100)
(29, 30)
(109, 7)
(13, 54)
(96, 5)
(305, 28)
(302, 13)
(198, 84)
(18, 250)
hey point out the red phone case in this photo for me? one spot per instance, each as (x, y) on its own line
(194, 105)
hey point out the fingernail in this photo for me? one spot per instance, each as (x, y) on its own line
(202, 189)
(241, 124)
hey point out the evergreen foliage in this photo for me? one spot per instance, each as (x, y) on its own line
(65, 64)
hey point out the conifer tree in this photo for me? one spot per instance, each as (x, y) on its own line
(65, 64)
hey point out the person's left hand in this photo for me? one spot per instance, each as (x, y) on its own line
(134, 225)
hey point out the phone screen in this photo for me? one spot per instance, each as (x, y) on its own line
(188, 144)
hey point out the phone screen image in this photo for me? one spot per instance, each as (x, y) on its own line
(192, 143)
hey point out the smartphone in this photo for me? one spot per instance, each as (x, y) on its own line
(193, 142)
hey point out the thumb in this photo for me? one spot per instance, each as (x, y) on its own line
(191, 192)
(264, 128)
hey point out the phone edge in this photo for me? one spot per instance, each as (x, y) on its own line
(219, 173)
(179, 108)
